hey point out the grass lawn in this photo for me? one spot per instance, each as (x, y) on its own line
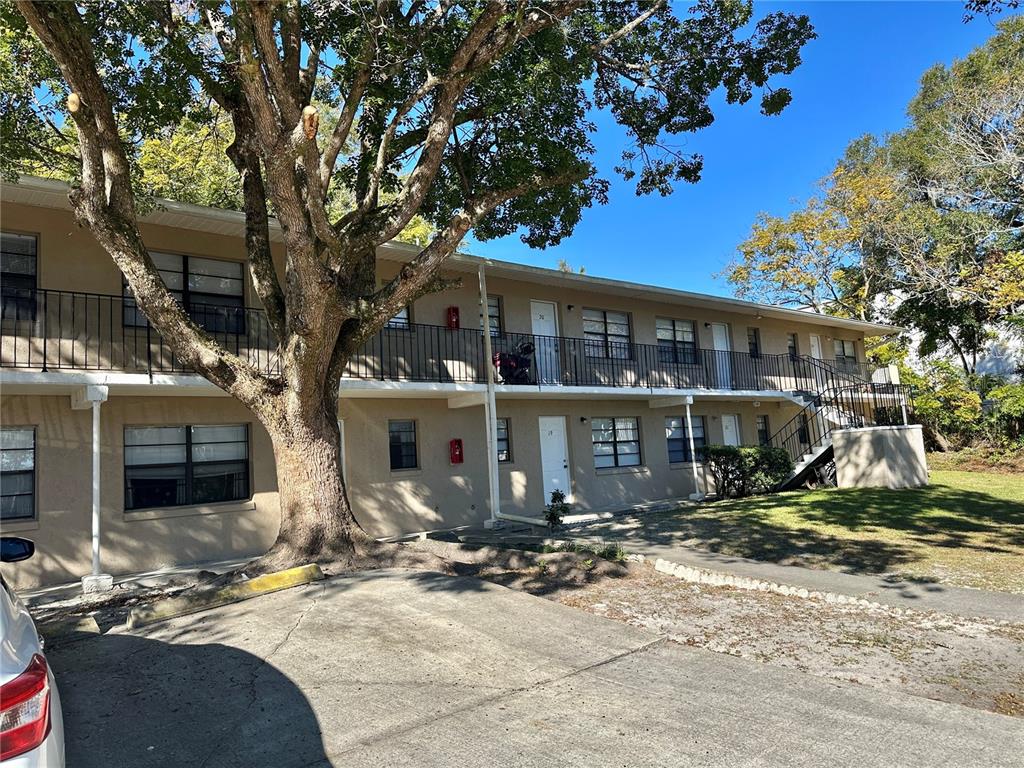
(965, 529)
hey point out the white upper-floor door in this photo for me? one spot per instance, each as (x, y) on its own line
(723, 359)
(816, 346)
(544, 324)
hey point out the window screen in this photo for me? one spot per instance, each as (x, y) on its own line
(175, 466)
(402, 439)
(677, 441)
(606, 334)
(616, 442)
(677, 340)
(17, 473)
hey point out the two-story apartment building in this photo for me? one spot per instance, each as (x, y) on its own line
(623, 384)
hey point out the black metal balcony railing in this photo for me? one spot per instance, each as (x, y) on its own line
(56, 330)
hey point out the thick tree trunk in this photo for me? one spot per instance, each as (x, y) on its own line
(317, 524)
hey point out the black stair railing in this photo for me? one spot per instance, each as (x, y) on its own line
(857, 405)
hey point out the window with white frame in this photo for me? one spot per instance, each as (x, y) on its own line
(17, 473)
(616, 442)
(211, 290)
(494, 315)
(504, 441)
(402, 444)
(18, 265)
(678, 442)
(845, 349)
(677, 340)
(606, 334)
(183, 465)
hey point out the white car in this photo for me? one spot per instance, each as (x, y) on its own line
(31, 724)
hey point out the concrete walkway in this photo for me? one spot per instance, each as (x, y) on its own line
(419, 669)
(635, 537)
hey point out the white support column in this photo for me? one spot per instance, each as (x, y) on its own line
(697, 494)
(92, 397)
(490, 413)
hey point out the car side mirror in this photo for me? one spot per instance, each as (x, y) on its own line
(14, 549)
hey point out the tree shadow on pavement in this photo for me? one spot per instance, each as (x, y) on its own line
(140, 702)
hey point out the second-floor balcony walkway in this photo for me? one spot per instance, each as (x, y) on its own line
(59, 330)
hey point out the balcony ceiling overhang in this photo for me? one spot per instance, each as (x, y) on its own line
(50, 193)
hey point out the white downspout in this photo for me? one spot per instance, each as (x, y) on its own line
(490, 412)
(697, 495)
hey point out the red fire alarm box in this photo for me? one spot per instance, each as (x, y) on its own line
(455, 454)
(453, 318)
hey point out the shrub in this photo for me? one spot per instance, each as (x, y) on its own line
(556, 510)
(1007, 411)
(945, 402)
(742, 471)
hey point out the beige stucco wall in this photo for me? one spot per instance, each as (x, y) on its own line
(132, 541)
(888, 457)
(436, 495)
(439, 495)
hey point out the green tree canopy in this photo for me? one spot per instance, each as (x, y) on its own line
(923, 228)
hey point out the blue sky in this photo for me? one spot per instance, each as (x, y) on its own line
(857, 77)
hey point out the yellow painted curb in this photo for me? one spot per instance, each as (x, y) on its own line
(233, 593)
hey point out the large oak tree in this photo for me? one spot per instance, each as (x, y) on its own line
(474, 114)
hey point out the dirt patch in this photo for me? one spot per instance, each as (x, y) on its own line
(1008, 461)
(971, 662)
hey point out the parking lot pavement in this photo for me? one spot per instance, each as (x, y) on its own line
(394, 668)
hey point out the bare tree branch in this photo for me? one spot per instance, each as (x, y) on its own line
(414, 277)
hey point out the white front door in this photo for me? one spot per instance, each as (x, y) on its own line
(730, 429)
(723, 356)
(544, 324)
(554, 456)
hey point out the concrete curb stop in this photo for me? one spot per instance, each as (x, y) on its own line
(142, 615)
(66, 630)
(715, 579)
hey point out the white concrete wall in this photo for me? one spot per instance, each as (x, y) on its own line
(888, 457)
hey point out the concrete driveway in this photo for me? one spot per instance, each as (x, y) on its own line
(415, 669)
